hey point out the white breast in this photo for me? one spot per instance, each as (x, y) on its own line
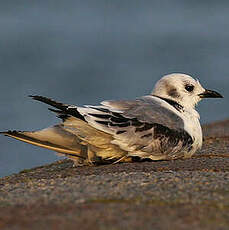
(192, 126)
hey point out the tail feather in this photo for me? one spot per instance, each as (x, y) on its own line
(36, 138)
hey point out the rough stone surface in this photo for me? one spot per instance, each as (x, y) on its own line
(181, 194)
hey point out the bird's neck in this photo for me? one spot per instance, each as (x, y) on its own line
(175, 104)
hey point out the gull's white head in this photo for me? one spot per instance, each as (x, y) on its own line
(183, 89)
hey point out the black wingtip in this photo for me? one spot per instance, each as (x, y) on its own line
(64, 108)
(9, 132)
(49, 101)
(3, 132)
(33, 96)
(55, 110)
(37, 97)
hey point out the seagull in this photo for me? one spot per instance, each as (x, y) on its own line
(163, 125)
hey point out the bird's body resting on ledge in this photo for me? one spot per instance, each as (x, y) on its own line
(161, 126)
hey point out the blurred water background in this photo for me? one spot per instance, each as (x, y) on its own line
(85, 51)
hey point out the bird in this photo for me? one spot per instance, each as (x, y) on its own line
(163, 125)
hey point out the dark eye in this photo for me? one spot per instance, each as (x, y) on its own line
(189, 88)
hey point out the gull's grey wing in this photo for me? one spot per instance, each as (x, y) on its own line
(149, 109)
(144, 127)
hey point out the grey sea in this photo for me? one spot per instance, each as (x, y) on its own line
(85, 51)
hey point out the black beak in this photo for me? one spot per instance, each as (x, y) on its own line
(210, 94)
